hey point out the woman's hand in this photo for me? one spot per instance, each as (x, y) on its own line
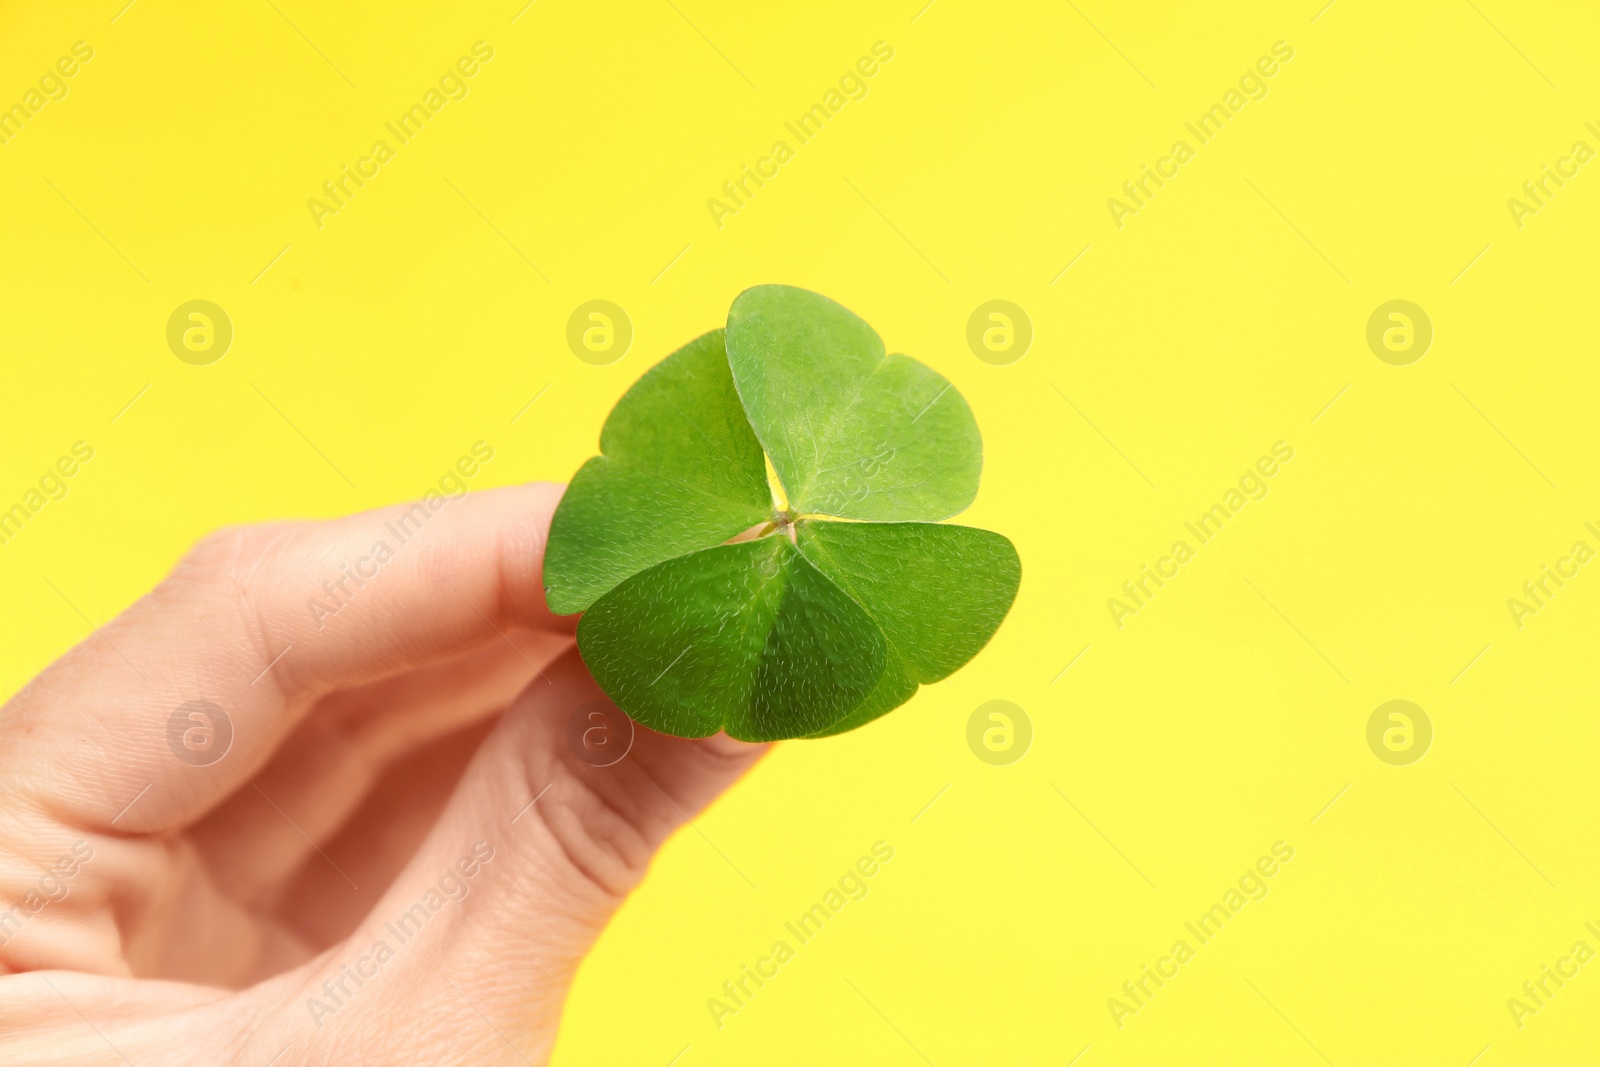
(330, 793)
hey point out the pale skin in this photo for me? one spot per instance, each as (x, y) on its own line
(395, 744)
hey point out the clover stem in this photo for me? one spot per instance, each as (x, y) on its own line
(783, 521)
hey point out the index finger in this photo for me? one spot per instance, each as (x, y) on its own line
(178, 700)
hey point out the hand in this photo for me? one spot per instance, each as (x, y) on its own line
(364, 846)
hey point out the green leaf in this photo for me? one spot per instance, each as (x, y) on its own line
(816, 628)
(893, 689)
(937, 593)
(680, 470)
(851, 432)
(749, 638)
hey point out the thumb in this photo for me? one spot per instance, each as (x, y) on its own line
(554, 822)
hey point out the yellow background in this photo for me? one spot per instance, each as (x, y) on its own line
(1221, 318)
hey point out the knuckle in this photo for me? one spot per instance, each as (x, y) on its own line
(227, 577)
(232, 555)
(600, 833)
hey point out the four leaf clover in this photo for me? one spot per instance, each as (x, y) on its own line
(849, 595)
